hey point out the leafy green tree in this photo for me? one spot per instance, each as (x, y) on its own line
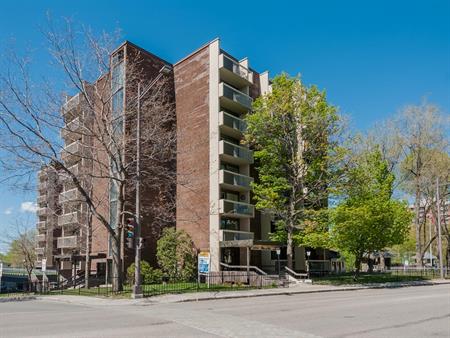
(295, 135)
(176, 254)
(369, 219)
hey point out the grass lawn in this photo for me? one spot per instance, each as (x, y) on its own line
(367, 278)
(153, 289)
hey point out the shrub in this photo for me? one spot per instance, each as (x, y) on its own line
(149, 275)
(176, 254)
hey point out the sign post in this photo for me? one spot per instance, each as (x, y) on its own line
(203, 265)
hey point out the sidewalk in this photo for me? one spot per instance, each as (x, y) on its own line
(202, 296)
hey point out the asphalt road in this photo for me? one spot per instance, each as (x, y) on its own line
(404, 312)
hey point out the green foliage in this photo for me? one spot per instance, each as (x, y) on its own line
(149, 275)
(368, 219)
(176, 254)
(294, 133)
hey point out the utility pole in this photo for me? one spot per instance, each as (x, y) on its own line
(438, 202)
(137, 287)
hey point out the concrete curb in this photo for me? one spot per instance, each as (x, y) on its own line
(288, 292)
(16, 299)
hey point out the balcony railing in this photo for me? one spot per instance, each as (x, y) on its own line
(42, 186)
(67, 242)
(72, 195)
(72, 129)
(234, 153)
(43, 211)
(70, 218)
(236, 69)
(236, 209)
(42, 199)
(41, 225)
(39, 251)
(234, 238)
(234, 181)
(72, 152)
(63, 176)
(40, 238)
(234, 99)
(70, 104)
(232, 124)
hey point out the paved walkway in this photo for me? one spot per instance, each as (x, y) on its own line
(201, 296)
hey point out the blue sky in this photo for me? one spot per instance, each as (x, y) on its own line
(371, 57)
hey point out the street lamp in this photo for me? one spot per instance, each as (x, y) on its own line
(278, 258)
(308, 253)
(137, 287)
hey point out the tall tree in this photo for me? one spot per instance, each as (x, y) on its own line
(367, 219)
(295, 134)
(31, 121)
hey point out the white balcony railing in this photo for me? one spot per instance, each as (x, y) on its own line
(39, 251)
(70, 104)
(72, 195)
(234, 238)
(41, 225)
(72, 152)
(42, 199)
(69, 218)
(236, 209)
(235, 153)
(40, 238)
(43, 211)
(234, 181)
(75, 169)
(72, 129)
(67, 242)
(236, 68)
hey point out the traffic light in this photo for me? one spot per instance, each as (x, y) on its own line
(129, 232)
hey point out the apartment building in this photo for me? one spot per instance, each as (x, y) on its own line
(47, 228)
(211, 92)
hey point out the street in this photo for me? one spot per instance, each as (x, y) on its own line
(401, 312)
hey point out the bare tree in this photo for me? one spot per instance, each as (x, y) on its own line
(98, 119)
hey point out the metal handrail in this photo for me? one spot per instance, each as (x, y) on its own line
(244, 267)
(295, 274)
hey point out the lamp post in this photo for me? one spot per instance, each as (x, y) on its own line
(278, 260)
(308, 253)
(137, 287)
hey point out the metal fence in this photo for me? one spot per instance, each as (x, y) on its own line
(214, 281)
(419, 272)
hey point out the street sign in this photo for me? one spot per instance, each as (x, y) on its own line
(44, 264)
(203, 262)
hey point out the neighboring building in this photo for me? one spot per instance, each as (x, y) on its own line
(48, 210)
(212, 91)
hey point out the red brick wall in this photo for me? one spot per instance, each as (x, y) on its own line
(192, 98)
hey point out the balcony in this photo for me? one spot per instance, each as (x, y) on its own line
(234, 181)
(43, 211)
(39, 251)
(231, 125)
(70, 196)
(234, 153)
(68, 242)
(233, 99)
(71, 104)
(233, 72)
(42, 199)
(40, 238)
(234, 238)
(72, 152)
(42, 186)
(72, 131)
(72, 218)
(236, 209)
(41, 225)
(74, 169)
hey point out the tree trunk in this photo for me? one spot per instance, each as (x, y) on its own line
(87, 269)
(370, 264)
(358, 260)
(290, 248)
(116, 262)
(417, 225)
